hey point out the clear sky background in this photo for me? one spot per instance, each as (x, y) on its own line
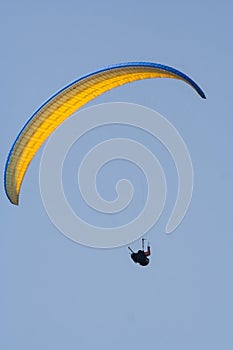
(56, 294)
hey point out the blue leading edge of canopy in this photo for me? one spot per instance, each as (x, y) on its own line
(115, 66)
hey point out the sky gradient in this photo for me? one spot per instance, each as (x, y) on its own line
(56, 294)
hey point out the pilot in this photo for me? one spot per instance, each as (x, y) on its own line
(141, 257)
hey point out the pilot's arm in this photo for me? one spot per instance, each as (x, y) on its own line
(148, 251)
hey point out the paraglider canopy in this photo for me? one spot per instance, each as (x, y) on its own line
(68, 100)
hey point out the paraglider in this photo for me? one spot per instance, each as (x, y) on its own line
(141, 257)
(68, 100)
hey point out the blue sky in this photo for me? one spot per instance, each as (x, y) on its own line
(56, 294)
